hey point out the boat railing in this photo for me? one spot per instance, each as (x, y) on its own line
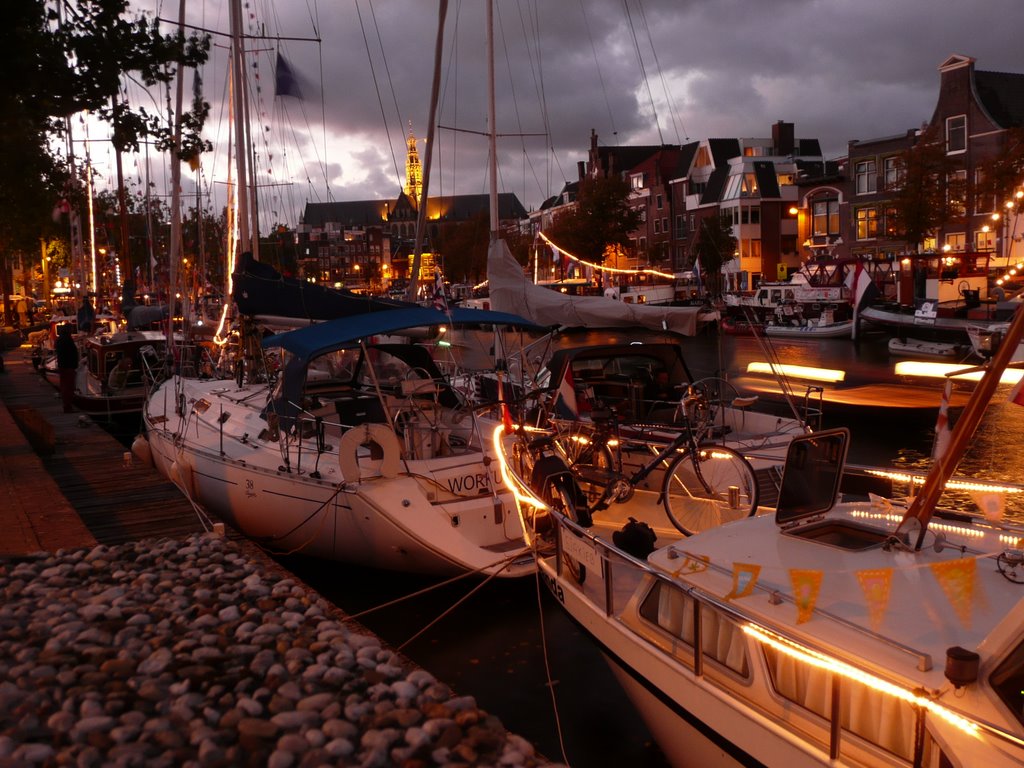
(615, 564)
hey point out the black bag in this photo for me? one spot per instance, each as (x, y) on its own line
(635, 538)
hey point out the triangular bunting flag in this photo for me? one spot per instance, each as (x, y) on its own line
(693, 564)
(876, 583)
(744, 577)
(992, 505)
(806, 586)
(957, 579)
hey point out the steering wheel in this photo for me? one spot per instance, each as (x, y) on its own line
(962, 287)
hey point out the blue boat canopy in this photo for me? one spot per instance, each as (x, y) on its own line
(311, 342)
(321, 338)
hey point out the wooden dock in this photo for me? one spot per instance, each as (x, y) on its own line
(69, 480)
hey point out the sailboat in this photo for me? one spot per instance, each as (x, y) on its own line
(854, 630)
(340, 440)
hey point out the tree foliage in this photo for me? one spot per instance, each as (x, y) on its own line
(602, 217)
(62, 58)
(1003, 174)
(714, 246)
(920, 197)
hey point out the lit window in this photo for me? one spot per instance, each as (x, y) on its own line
(825, 218)
(984, 241)
(956, 241)
(867, 223)
(956, 134)
(956, 193)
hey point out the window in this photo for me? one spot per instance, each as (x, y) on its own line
(636, 181)
(891, 223)
(871, 714)
(721, 638)
(865, 174)
(680, 225)
(693, 223)
(659, 202)
(956, 241)
(1008, 682)
(984, 241)
(893, 171)
(664, 225)
(825, 218)
(982, 203)
(956, 134)
(867, 223)
(657, 226)
(956, 193)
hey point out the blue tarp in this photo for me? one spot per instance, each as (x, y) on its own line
(318, 339)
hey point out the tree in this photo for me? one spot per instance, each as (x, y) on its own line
(59, 59)
(602, 217)
(920, 197)
(715, 245)
(1003, 174)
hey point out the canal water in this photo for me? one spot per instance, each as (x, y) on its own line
(507, 642)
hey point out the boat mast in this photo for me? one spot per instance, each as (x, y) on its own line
(238, 102)
(492, 130)
(421, 212)
(923, 505)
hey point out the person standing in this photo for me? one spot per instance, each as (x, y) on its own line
(67, 364)
(86, 316)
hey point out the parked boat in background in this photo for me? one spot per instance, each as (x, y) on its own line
(104, 385)
(925, 348)
(821, 327)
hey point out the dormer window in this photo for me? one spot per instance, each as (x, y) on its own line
(956, 134)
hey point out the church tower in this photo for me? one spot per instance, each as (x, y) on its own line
(413, 171)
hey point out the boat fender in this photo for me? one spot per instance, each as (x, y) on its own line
(141, 451)
(180, 473)
(368, 434)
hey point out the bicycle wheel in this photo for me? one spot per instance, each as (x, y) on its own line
(703, 490)
(559, 495)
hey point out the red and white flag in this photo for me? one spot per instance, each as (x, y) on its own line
(942, 432)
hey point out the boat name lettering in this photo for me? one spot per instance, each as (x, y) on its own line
(475, 481)
(582, 550)
(556, 588)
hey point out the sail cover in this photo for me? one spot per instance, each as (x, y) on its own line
(260, 290)
(511, 291)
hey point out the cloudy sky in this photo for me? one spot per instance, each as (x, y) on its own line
(634, 71)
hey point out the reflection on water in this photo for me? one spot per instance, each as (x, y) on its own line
(900, 437)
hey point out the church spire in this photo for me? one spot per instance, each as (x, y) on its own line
(413, 171)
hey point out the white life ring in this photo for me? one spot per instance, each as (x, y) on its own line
(351, 440)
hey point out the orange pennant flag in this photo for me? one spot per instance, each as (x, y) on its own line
(744, 577)
(876, 583)
(693, 564)
(957, 579)
(806, 586)
(992, 505)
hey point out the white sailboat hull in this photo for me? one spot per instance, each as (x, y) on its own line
(437, 516)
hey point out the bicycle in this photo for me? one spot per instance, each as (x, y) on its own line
(703, 484)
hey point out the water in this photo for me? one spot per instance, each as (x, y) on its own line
(508, 643)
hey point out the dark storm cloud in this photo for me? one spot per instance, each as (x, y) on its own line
(838, 69)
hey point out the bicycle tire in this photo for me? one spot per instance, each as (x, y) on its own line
(696, 490)
(559, 495)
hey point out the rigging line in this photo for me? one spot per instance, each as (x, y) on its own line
(643, 70)
(597, 66)
(535, 69)
(387, 71)
(376, 88)
(672, 111)
(490, 577)
(546, 655)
